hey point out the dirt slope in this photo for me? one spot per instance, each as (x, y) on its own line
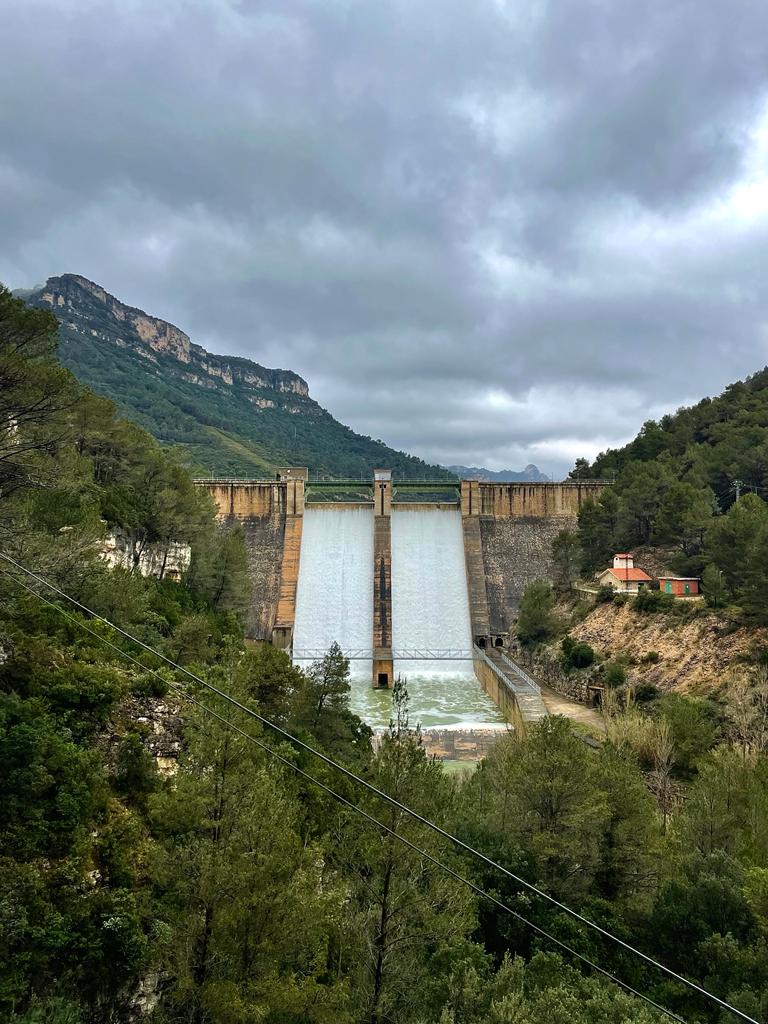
(694, 655)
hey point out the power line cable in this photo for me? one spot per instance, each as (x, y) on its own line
(352, 806)
(460, 844)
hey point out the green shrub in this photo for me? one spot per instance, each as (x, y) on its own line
(576, 654)
(135, 773)
(614, 673)
(650, 658)
(605, 594)
(150, 686)
(580, 611)
(536, 619)
(645, 693)
(696, 726)
(49, 1011)
(650, 601)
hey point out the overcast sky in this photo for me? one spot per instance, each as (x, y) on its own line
(487, 232)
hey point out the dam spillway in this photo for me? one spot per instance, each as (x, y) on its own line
(334, 598)
(430, 607)
(331, 560)
(430, 610)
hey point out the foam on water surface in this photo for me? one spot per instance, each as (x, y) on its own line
(430, 609)
(334, 598)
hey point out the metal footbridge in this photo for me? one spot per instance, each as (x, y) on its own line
(409, 654)
(521, 687)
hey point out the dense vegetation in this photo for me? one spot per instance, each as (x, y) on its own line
(215, 886)
(218, 426)
(676, 488)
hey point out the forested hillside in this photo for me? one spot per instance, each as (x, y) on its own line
(717, 441)
(156, 865)
(230, 416)
(676, 489)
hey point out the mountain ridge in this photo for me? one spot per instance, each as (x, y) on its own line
(531, 474)
(230, 415)
(158, 335)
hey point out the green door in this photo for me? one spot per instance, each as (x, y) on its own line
(687, 588)
(668, 587)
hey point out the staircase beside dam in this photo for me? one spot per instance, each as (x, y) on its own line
(509, 686)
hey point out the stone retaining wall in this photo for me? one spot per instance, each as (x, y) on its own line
(546, 670)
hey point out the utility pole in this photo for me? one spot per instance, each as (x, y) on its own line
(737, 485)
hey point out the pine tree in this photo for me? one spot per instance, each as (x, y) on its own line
(246, 894)
(566, 560)
(536, 619)
(408, 917)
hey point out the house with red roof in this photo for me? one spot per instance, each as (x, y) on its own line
(623, 576)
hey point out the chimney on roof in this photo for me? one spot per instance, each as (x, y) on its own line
(623, 562)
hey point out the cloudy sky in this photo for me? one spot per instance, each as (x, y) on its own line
(489, 232)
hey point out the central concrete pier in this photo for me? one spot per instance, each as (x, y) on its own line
(383, 666)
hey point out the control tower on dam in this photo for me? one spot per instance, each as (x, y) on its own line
(399, 573)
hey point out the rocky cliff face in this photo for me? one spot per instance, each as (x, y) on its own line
(85, 308)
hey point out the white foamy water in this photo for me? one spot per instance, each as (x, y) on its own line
(334, 598)
(430, 609)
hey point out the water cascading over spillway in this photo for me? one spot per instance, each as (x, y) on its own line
(430, 609)
(334, 598)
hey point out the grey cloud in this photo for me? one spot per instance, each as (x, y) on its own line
(486, 233)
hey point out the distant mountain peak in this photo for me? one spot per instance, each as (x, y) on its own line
(531, 474)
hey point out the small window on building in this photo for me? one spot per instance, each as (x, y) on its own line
(383, 680)
(498, 642)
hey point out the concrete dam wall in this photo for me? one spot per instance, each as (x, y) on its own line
(506, 531)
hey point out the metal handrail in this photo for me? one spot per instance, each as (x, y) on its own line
(521, 672)
(509, 684)
(524, 681)
(405, 654)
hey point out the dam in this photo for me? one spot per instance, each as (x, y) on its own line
(413, 578)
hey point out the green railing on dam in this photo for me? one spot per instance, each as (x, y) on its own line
(403, 491)
(418, 485)
(343, 485)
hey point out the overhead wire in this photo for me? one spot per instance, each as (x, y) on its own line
(460, 844)
(344, 801)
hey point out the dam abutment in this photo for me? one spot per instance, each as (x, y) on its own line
(270, 513)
